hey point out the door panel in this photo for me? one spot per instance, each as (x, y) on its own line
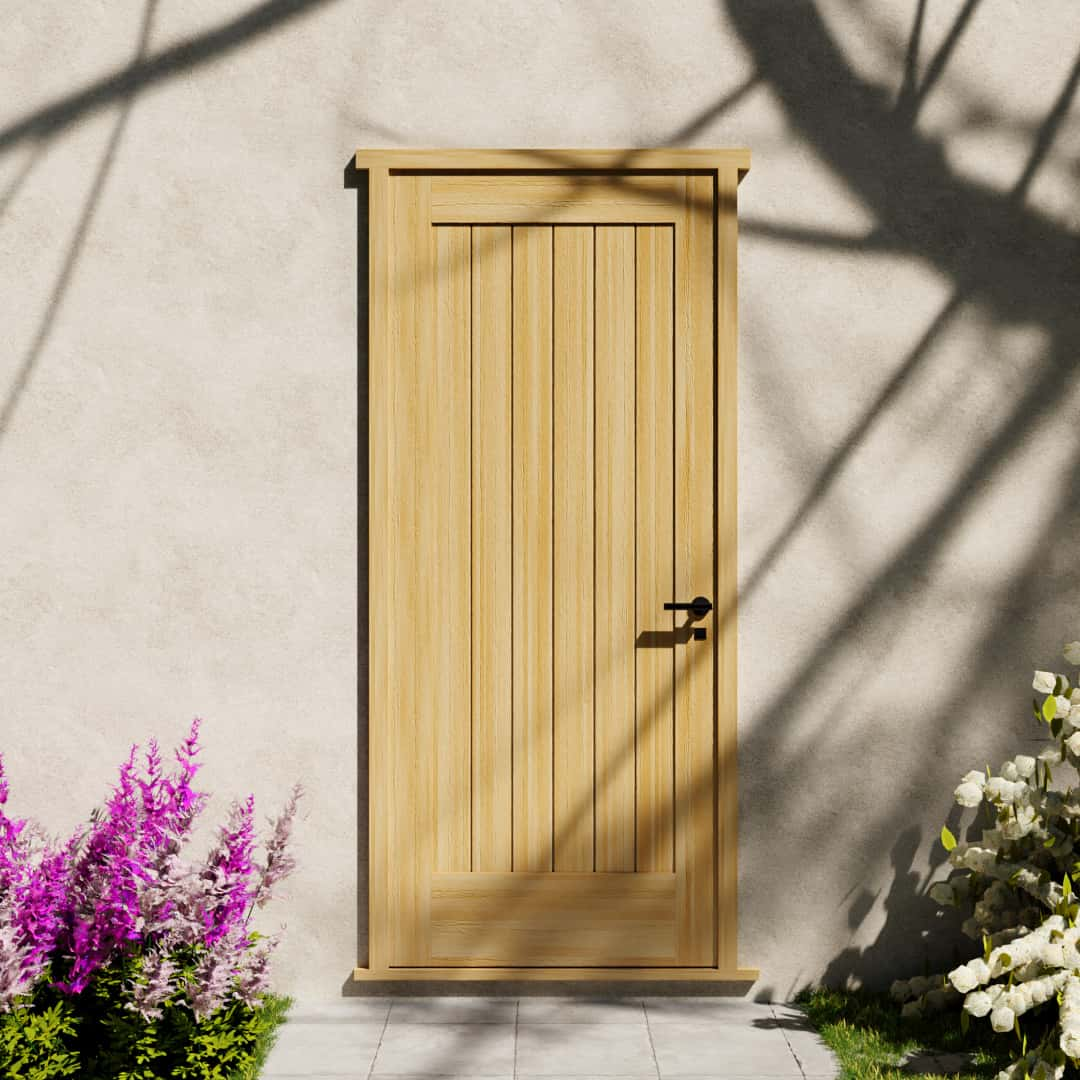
(546, 746)
(574, 559)
(533, 614)
(655, 517)
(492, 661)
(614, 594)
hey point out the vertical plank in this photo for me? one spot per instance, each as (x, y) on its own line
(532, 547)
(446, 475)
(492, 524)
(656, 550)
(695, 486)
(615, 547)
(727, 699)
(380, 564)
(573, 558)
(410, 644)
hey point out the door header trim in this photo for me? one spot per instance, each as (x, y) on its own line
(536, 159)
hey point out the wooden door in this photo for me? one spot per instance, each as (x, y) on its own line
(552, 460)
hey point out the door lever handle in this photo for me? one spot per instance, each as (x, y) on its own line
(700, 606)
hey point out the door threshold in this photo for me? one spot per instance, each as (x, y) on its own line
(536, 974)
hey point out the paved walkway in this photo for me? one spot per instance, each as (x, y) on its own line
(571, 1039)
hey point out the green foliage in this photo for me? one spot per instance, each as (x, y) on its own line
(869, 1038)
(93, 1036)
(36, 1045)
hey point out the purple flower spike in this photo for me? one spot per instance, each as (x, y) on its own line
(118, 887)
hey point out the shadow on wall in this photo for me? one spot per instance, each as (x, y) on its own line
(120, 89)
(1020, 268)
(996, 251)
(914, 927)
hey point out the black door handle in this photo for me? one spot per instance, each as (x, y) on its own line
(700, 606)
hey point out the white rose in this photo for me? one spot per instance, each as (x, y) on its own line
(968, 794)
(1070, 1043)
(1044, 682)
(910, 1010)
(1009, 771)
(1025, 765)
(1073, 742)
(1072, 653)
(963, 979)
(1064, 707)
(978, 1003)
(1002, 1018)
(1006, 791)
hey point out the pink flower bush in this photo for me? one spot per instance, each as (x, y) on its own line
(119, 888)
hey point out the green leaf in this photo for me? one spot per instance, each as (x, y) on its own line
(948, 841)
(1035, 709)
(1049, 842)
(987, 947)
(1055, 726)
(1049, 707)
(1066, 887)
(965, 1021)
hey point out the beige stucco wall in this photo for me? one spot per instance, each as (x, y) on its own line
(179, 409)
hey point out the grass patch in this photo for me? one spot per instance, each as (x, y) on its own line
(866, 1033)
(273, 1014)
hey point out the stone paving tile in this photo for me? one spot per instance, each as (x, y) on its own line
(715, 1009)
(561, 1049)
(814, 1057)
(473, 1038)
(344, 1010)
(703, 1047)
(446, 1049)
(455, 1010)
(304, 1049)
(580, 1011)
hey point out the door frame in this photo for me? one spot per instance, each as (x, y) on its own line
(727, 167)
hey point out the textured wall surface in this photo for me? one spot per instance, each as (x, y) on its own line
(179, 477)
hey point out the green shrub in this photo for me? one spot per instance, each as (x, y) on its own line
(95, 1035)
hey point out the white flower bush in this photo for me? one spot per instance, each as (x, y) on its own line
(1014, 885)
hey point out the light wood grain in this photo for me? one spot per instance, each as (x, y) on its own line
(574, 551)
(704, 975)
(532, 542)
(727, 593)
(444, 611)
(380, 555)
(552, 456)
(557, 200)
(637, 159)
(553, 919)
(412, 643)
(655, 656)
(694, 574)
(492, 536)
(615, 548)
